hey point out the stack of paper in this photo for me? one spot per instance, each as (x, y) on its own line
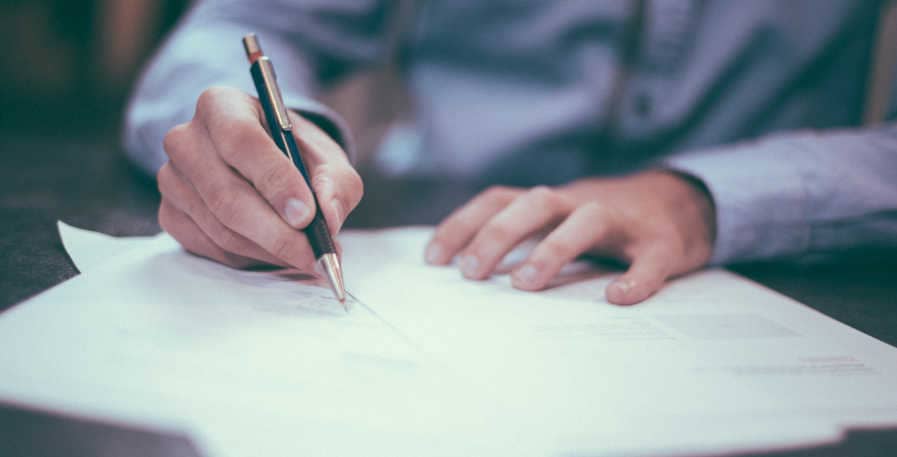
(266, 363)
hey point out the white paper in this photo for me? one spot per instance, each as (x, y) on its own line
(89, 250)
(259, 363)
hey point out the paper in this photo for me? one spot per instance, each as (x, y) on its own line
(89, 250)
(262, 363)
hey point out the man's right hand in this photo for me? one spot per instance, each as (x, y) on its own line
(229, 194)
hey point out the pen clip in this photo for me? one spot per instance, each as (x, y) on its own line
(269, 79)
(273, 92)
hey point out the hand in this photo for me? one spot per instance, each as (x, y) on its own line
(661, 223)
(229, 194)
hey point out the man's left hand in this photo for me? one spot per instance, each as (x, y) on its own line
(661, 223)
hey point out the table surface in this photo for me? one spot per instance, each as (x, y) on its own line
(85, 181)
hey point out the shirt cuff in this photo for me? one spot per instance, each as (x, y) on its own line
(760, 199)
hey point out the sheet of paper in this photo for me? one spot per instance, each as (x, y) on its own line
(150, 334)
(713, 346)
(89, 250)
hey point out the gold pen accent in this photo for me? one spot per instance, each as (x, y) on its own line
(334, 272)
(280, 126)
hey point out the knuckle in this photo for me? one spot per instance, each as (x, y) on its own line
(283, 247)
(558, 249)
(497, 232)
(224, 205)
(210, 97)
(593, 210)
(356, 186)
(498, 193)
(275, 178)
(164, 178)
(174, 140)
(542, 198)
(455, 227)
(542, 194)
(191, 206)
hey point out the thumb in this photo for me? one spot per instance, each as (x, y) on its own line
(646, 275)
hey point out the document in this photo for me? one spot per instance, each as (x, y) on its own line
(427, 363)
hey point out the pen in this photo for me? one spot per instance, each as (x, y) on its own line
(281, 128)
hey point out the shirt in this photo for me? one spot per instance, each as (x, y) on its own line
(758, 100)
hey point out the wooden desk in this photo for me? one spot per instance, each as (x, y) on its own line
(87, 182)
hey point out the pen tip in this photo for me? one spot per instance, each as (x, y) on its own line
(331, 266)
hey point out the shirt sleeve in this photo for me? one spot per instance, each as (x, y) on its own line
(313, 43)
(800, 193)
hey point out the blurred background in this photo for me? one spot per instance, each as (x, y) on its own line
(66, 71)
(72, 62)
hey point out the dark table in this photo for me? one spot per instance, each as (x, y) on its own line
(85, 181)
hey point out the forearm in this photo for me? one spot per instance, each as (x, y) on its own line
(800, 193)
(205, 50)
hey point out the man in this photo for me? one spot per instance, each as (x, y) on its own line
(669, 134)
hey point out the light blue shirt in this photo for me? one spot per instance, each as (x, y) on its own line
(759, 99)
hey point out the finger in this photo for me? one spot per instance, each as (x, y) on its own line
(337, 185)
(646, 275)
(181, 194)
(232, 200)
(586, 227)
(232, 119)
(527, 214)
(339, 190)
(456, 231)
(189, 235)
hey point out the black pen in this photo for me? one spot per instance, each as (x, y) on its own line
(282, 132)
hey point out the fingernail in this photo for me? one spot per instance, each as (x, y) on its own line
(296, 211)
(469, 265)
(527, 275)
(623, 285)
(433, 254)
